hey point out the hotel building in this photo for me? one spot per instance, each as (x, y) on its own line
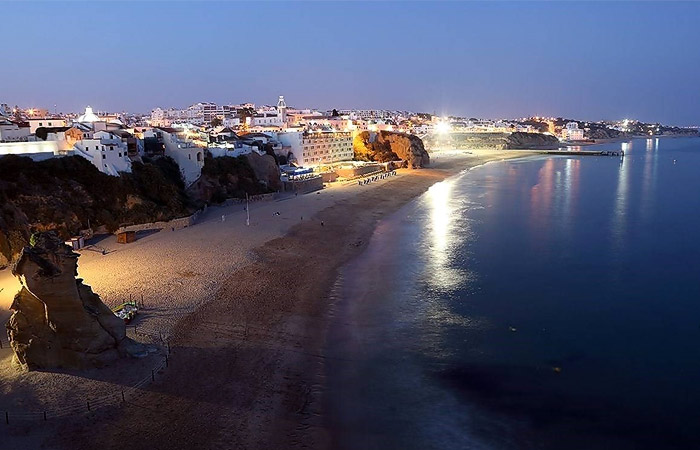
(318, 148)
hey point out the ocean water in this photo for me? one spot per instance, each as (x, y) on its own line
(546, 303)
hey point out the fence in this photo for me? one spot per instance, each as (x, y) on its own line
(175, 224)
(121, 396)
(89, 404)
(251, 199)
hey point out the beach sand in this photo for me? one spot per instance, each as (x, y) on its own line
(245, 309)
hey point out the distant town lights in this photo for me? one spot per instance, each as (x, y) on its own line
(442, 127)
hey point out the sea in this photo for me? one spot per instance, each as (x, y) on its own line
(550, 302)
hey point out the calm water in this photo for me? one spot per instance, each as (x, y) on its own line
(594, 263)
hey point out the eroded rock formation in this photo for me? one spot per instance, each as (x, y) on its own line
(57, 321)
(386, 146)
(232, 177)
(266, 170)
(492, 141)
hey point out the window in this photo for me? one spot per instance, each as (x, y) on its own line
(104, 157)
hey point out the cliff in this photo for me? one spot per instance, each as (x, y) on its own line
(266, 170)
(493, 141)
(57, 321)
(228, 177)
(389, 146)
(66, 194)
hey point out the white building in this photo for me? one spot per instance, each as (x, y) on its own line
(265, 119)
(201, 113)
(188, 156)
(106, 151)
(159, 118)
(317, 148)
(12, 132)
(571, 132)
(233, 122)
(37, 150)
(45, 123)
(88, 117)
(270, 118)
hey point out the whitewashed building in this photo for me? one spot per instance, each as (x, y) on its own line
(188, 156)
(571, 132)
(12, 132)
(45, 123)
(37, 150)
(106, 151)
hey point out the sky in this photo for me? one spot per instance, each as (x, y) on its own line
(585, 60)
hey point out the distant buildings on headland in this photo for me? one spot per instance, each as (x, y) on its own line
(297, 137)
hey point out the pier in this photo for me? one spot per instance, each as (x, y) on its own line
(584, 152)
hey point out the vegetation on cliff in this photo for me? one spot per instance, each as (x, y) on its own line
(232, 177)
(66, 194)
(69, 194)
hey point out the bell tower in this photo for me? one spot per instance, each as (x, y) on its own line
(282, 110)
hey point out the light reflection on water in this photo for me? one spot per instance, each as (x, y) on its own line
(591, 260)
(619, 227)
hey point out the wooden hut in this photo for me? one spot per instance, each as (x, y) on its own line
(126, 237)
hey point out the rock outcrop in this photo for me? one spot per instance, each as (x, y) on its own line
(266, 170)
(57, 321)
(493, 141)
(227, 177)
(386, 146)
(531, 141)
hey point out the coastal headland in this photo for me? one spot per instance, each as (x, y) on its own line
(247, 327)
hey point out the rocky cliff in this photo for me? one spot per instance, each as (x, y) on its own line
(228, 177)
(57, 321)
(66, 194)
(266, 170)
(386, 146)
(531, 141)
(493, 141)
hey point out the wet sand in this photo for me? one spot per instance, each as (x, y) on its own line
(247, 368)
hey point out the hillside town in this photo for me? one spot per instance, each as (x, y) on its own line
(302, 140)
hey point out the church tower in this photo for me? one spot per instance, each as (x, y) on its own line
(282, 110)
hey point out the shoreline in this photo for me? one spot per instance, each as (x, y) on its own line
(247, 365)
(618, 140)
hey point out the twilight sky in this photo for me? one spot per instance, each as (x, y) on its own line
(589, 60)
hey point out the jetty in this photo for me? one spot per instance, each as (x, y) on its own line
(584, 152)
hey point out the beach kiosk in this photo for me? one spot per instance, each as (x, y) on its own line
(76, 242)
(125, 237)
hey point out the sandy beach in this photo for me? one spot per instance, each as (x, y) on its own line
(245, 310)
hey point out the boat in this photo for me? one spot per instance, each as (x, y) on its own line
(126, 311)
